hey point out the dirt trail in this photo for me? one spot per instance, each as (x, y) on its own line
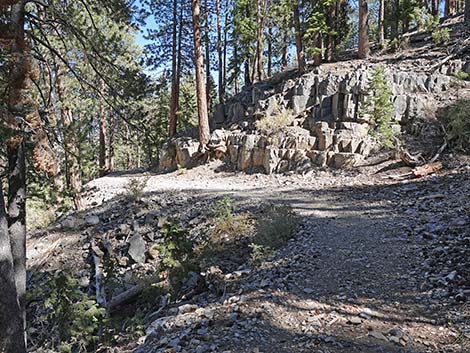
(351, 280)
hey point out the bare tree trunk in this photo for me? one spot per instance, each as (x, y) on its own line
(258, 65)
(174, 88)
(285, 44)
(435, 7)
(270, 51)
(207, 56)
(112, 130)
(203, 118)
(220, 55)
(363, 49)
(103, 128)
(12, 337)
(396, 19)
(72, 169)
(450, 7)
(18, 101)
(381, 23)
(226, 26)
(298, 38)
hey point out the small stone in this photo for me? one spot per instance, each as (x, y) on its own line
(187, 308)
(355, 321)
(92, 220)
(308, 290)
(378, 335)
(137, 248)
(202, 331)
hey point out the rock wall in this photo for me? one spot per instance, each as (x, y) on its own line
(328, 129)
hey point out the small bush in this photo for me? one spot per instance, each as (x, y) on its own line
(135, 188)
(259, 253)
(40, 215)
(379, 108)
(458, 125)
(276, 123)
(462, 75)
(223, 208)
(273, 230)
(440, 35)
(69, 319)
(399, 44)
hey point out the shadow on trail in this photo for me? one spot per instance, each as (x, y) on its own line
(352, 254)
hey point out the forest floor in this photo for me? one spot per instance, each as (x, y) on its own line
(376, 264)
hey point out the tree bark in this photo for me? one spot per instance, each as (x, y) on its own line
(381, 23)
(220, 55)
(435, 7)
(467, 12)
(103, 132)
(285, 44)
(174, 88)
(207, 55)
(72, 167)
(298, 38)
(363, 49)
(203, 119)
(12, 337)
(270, 51)
(19, 103)
(258, 63)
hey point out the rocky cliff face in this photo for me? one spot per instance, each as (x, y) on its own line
(328, 129)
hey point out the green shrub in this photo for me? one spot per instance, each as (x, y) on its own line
(274, 228)
(379, 108)
(440, 35)
(458, 125)
(462, 75)
(135, 188)
(70, 319)
(39, 214)
(223, 208)
(259, 253)
(276, 123)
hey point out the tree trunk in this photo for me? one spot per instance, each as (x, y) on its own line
(103, 158)
(72, 167)
(285, 45)
(112, 132)
(258, 64)
(381, 23)
(203, 119)
(207, 56)
(224, 81)
(435, 7)
(174, 88)
(298, 38)
(270, 51)
(12, 337)
(330, 38)
(18, 102)
(220, 55)
(396, 19)
(363, 50)
(17, 215)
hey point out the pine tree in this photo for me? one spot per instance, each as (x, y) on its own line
(363, 46)
(203, 118)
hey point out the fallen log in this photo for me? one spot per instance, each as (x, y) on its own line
(427, 169)
(125, 297)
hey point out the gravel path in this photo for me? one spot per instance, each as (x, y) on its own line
(351, 280)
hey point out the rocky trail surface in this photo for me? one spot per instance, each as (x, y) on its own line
(376, 265)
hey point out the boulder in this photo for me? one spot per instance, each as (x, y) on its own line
(137, 248)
